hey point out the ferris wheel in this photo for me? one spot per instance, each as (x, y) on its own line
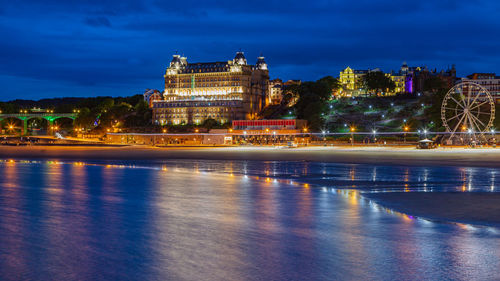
(468, 108)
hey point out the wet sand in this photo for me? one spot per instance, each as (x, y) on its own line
(356, 155)
(479, 208)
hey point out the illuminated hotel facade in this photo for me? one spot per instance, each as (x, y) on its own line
(224, 91)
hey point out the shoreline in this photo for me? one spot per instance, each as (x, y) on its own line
(473, 208)
(347, 155)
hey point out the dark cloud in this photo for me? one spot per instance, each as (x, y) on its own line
(116, 47)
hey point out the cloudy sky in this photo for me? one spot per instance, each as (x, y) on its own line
(62, 48)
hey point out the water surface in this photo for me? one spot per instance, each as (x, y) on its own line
(233, 220)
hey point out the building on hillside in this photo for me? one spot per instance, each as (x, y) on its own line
(489, 81)
(275, 92)
(416, 77)
(224, 91)
(407, 79)
(351, 81)
(151, 95)
(399, 82)
(292, 82)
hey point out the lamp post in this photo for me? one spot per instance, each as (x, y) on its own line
(352, 129)
(493, 140)
(374, 136)
(406, 130)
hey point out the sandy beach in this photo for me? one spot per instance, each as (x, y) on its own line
(356, 155)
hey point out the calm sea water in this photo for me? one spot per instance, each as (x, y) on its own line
(230, 220)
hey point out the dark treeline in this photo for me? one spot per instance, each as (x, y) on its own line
(106, 112)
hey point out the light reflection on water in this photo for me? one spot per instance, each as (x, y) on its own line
(250, 220)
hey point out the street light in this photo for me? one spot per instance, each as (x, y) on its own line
(406, 130)
(352, 129)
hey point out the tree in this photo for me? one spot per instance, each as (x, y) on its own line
(331, 82)
(312, 102)
(377, 81)
(210, 123)
(85, 118)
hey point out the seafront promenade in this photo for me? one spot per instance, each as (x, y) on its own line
(384, 155)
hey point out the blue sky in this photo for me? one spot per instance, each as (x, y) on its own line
(96, 47)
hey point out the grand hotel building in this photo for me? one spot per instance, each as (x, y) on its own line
(223, 91)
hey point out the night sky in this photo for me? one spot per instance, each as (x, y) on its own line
(55, 48)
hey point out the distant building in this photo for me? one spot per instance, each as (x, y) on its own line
(489, 81)
(407, 79)
(151, 95)
(292, 82)
(223, 91)
(351, 81)
(399, 82)
(416, 77)
(275, 92)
